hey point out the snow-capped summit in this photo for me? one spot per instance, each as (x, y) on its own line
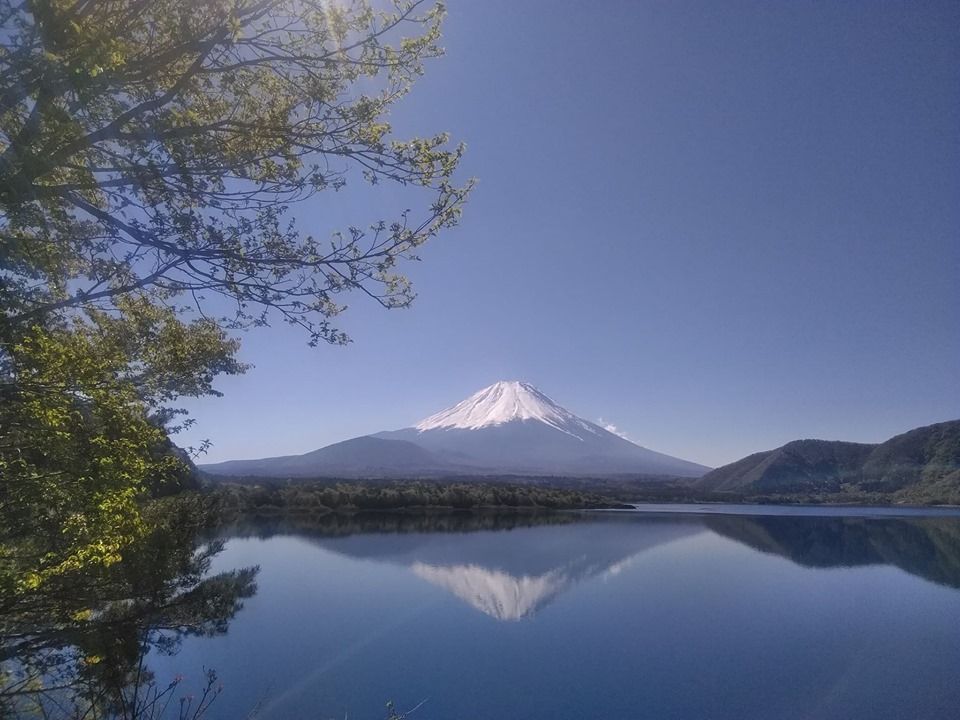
(503, 402)
(512, 427)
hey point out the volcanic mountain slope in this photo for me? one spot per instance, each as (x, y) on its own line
(506, 428)
(515, 428)
(922, 464)
(364, 456)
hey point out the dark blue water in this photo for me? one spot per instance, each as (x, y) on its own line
(618, 615)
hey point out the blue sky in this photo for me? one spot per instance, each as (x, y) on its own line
(718, 226)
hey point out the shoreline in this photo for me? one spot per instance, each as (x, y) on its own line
(796, 509)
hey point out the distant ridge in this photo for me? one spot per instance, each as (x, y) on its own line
(365, 456)
(510, 427)
(920, 465)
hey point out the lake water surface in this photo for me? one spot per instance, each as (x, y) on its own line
(603, 615)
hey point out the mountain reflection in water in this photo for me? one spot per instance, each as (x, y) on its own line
(927, 547)
(511, 575)
(515, 572)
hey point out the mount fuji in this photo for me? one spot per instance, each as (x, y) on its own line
(509, 427)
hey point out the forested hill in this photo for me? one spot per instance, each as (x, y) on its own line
(922, 465)
(808, 465)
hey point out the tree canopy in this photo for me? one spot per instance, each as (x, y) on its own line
(158, 145)
(152, 156)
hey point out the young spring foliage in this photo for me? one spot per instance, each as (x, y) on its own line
(152, 153)
(83, 438)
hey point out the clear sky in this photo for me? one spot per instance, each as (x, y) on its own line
(718, 226)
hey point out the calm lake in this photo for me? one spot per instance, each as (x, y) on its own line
(734, 612)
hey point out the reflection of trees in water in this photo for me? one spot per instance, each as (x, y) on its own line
(342, 525)
(926, 547)
(77, 647)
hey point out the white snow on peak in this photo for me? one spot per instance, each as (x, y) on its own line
(503, 402)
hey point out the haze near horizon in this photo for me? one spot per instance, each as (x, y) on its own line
(716, 228)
